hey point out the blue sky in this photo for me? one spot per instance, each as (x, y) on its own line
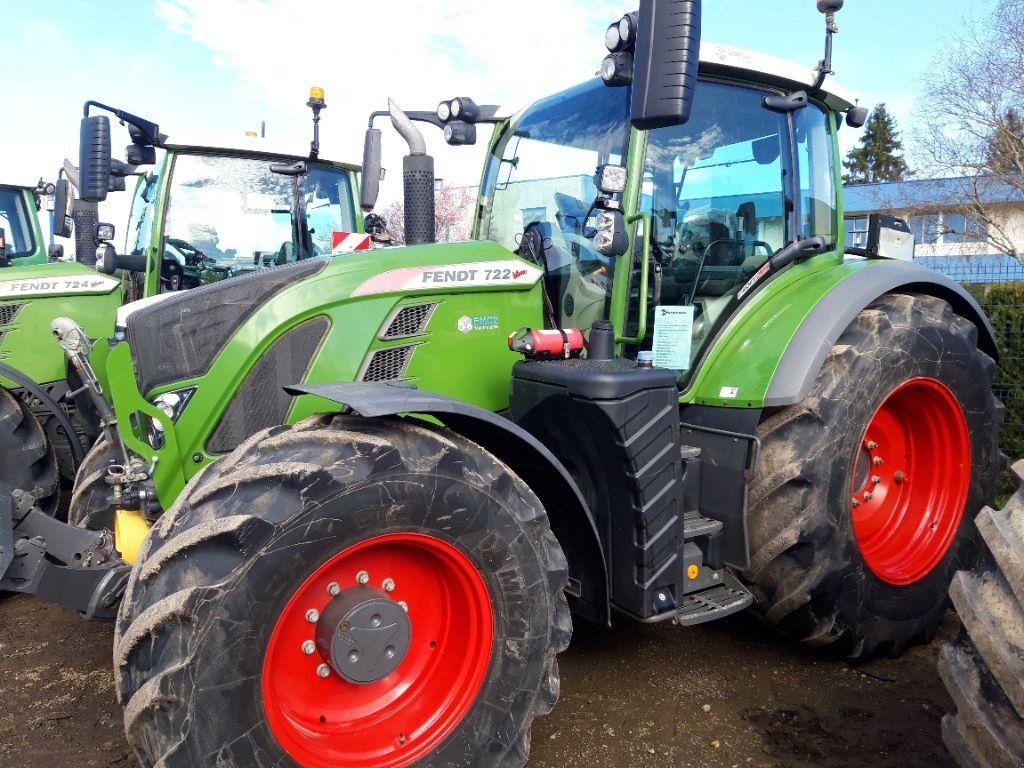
(223, 66)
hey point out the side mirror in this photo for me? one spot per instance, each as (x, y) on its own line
(108, 261)
(61, 200)
(889, 237)
(55, 252)
(369, 182)
(94, 159)
(610, 238)
(665, 62)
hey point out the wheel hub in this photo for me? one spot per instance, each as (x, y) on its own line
(363, 634)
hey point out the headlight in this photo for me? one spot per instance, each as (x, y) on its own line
(172, 404)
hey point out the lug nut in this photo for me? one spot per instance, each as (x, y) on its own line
(867, 496)
(877, 461)
(404, 605)
(312, 615)
(323, 671)
(856, 502)
(333, 589)
(308, 647)
(389, 585)
(872, 445)
(876, 479)
(362, 577)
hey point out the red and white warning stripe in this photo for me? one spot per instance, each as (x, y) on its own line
(346, 242)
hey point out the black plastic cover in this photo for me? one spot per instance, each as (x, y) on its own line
(616, 428)
(178, 338)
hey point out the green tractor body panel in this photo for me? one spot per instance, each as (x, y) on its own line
(437, 317)
(32, 296)
(19, 219)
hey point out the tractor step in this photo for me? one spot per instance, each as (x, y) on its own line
(695, 524)
(714, 602)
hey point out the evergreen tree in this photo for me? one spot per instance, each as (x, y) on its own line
(1004, 153)
(878, 155)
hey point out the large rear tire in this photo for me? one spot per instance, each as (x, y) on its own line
(984, 669)
(856, 513)
(27, 460)
(309, 539)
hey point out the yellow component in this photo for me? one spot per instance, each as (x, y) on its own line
(130, 528)
(692, 571)
(253, 134)
(316, 92)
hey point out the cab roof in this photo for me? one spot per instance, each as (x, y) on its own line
(248, 145)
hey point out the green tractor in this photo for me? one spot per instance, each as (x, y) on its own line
(21, 237)
(201, 214)
(363, 498)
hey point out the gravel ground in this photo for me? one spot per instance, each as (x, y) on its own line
(726, 695)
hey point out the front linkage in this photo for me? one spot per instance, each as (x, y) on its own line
(73, 567)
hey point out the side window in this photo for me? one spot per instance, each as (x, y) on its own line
(140, 219)
(14, 218)
(817, 182)
(327, 194)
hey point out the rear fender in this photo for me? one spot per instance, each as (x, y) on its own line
(803, 357)
(571, 520)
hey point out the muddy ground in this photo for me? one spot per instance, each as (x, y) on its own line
(726, 695)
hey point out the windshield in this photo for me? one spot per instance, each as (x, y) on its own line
(16, 222)
(542, 168)
(228, 215)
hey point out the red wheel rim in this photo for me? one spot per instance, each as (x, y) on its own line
(329, 722)
(910, 481)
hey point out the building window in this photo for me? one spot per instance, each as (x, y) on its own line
(857, 232)
(947, 228)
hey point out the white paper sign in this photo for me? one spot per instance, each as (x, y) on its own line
(673, 330)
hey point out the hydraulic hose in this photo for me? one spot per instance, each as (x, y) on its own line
(77, 452)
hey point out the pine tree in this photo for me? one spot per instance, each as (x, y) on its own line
(1005, 151)
(878, 156)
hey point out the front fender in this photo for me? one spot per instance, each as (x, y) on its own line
(571, 520)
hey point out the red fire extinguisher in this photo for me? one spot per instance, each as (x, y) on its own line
(541, 345)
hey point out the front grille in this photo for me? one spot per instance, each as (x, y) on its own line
(408, 321)
(387, 364)
(9, 312)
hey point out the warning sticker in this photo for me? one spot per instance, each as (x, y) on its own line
(673, 332)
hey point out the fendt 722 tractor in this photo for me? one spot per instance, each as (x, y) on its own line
(203, 213)
(362, 497)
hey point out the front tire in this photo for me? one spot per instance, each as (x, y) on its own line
(856, 514)
(983, 670)
(348, 518)
(27, 460)
(92, 502)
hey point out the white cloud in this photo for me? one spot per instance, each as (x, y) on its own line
(414, 51)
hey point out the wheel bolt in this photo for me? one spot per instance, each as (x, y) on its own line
(856, 502)
(877, 461)
(876, 479)
(389, 585)
(867, 496)
(333, 589)
(308, 647)
(872, 445)
(362, 577)
(323, 671)
(312, 615)
(405, 605)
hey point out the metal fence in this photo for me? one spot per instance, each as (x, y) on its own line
(997, 282)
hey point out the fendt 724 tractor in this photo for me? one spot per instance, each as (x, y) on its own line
(202, 213)
(362, 497)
